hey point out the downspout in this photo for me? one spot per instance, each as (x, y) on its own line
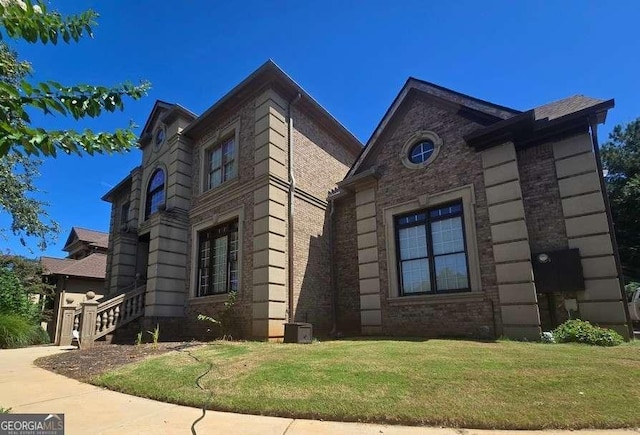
(332, 273)
(292, 188)
(593, 124)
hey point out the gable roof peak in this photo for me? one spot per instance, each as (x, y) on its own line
(492, 110)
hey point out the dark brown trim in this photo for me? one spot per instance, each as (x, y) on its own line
(525, 130)
(612, 233)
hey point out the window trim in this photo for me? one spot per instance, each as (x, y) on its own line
(465, 194)
(415, 139)
(228, 229)
(210, 223)
(147, 195)
(125, 213)
(218, 139)
(431, 256)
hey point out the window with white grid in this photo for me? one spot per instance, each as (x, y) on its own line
(218, 261)
(222, 163)
(432, 256)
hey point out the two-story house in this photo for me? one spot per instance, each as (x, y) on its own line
(233, 200)
(459, 217)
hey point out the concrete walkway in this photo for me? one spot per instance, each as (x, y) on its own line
(92, 410)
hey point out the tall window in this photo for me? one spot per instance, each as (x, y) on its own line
(124, 213)
(155, 192)
(218, 260)
(222, 162)
(432, 255)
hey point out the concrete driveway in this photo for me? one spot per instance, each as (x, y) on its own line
(92, 410)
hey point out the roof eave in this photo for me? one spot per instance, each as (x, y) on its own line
(107, 196)
(525, 129)
(270, 73)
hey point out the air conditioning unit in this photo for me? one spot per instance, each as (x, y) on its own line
(298, 333)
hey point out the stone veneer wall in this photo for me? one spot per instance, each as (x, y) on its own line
(368, 266)
(587, 229)
(270, 218)
(511, 250)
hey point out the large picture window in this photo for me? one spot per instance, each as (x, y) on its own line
(155, 193)
(222, 163)
(431, 250)
(218, 260)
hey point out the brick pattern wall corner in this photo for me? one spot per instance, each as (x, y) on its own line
(588, 230)
(511, 250)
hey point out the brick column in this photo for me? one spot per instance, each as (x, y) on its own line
(511, 250)
(368, 267)
(270, 219)
(588, 230)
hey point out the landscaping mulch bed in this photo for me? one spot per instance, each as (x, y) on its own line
(101, 358)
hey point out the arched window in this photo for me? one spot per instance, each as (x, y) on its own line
(155, 192)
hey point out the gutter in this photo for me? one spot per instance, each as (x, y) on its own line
(593, 124)
(332, 273)
(292, 188)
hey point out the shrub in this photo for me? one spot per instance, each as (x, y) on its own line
(630, 289)
(580, 331)
(18, 331)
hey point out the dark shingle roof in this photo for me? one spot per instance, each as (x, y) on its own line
(566, 106)
(92, 266)
(92, 237)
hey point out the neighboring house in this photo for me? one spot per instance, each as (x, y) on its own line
(83, 270)
(435, 228)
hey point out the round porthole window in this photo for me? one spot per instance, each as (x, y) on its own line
(420, 149)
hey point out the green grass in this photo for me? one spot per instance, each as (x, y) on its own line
(18, 331)
(506, 385)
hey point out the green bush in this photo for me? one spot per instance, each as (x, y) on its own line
(13, 298)
(18, 331)
(580, 331)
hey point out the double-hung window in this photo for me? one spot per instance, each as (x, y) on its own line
(218, 260)
(431, 251)
(221, 163)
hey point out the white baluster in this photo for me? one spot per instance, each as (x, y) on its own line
(116, 315)
(110, 319)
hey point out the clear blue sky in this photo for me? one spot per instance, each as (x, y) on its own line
(353, 57)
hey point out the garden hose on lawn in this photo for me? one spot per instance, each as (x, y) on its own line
(204, 406)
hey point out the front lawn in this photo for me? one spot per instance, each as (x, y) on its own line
(507, 385)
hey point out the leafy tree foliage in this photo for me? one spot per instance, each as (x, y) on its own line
(20, 285)
(621, 159)
(29, 215)
(21, 143)
(33, 22)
